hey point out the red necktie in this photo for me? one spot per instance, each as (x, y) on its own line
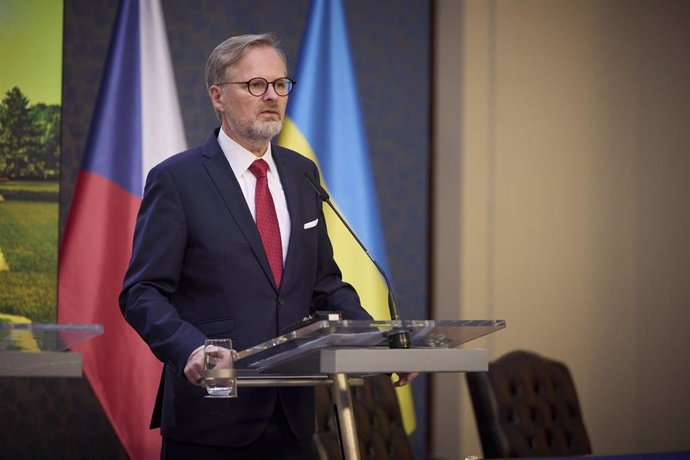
(267, 221)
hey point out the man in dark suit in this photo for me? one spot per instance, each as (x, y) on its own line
(230, 241)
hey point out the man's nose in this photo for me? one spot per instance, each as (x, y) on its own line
(270, 94)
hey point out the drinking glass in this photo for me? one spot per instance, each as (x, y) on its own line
(219, 372)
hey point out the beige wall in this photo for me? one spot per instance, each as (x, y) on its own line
(562, 183)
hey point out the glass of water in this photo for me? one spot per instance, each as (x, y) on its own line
(219, 371)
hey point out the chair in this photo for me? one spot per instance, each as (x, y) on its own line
(377, 415)
(527, 406)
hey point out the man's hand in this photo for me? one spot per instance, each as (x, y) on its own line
(405, 378)
(194, 368)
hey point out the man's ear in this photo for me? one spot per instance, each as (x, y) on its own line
(215, 93)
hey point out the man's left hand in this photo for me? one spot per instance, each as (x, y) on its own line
(405, 378)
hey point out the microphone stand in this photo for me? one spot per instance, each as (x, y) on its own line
(398, 338)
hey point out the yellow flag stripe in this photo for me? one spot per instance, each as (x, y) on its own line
(357, 269)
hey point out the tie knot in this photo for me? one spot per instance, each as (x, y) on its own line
(259, 168)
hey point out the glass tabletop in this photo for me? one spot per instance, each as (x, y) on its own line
(32, 337)
(359, 333)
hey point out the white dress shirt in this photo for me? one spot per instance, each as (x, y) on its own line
(240, 160)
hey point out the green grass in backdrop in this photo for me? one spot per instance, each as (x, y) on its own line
(28, 239)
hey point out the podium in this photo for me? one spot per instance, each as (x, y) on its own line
(340, 353)
(39, 350)
(333, 353)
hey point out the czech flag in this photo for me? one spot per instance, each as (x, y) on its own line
(324, 123)
(136, 124)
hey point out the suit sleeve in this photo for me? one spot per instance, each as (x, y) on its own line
(152, 277)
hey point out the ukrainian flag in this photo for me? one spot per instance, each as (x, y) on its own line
(324, 123)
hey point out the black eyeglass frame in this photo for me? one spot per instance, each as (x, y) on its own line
(289, 82)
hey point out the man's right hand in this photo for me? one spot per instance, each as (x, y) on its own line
(194, 368)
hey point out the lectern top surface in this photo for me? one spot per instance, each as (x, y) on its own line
(359, 333)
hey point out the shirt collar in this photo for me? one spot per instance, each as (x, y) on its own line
(241, 159)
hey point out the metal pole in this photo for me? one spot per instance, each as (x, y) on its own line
(347, 430)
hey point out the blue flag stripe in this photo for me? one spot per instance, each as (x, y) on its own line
(325, 106)
(113, 149)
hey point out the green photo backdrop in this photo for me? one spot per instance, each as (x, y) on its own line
(30, 99)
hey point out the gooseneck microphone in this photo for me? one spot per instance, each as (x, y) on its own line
(399, 338)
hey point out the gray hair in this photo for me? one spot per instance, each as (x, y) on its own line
(225, 56)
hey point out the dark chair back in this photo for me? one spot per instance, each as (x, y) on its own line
(527, 406)
(377, 415)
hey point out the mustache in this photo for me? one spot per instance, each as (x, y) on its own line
(268, 106)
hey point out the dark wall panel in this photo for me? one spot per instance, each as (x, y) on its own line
(55, 418)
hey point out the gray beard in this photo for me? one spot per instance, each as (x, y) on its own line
(262, 130)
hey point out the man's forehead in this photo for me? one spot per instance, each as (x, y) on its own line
(261, 59)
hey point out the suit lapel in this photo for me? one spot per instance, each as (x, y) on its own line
(223, 177)
(288, 180)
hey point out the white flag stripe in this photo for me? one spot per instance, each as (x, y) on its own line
(162, 128)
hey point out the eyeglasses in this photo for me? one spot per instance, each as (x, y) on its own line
(258, 86)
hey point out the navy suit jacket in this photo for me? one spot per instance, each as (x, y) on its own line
(198, 270)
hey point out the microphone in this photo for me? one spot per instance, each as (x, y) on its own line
(397, 338)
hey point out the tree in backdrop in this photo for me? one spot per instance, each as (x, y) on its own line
(29, 138)
(47, 156)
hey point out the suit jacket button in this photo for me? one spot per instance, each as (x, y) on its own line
(281, 301)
